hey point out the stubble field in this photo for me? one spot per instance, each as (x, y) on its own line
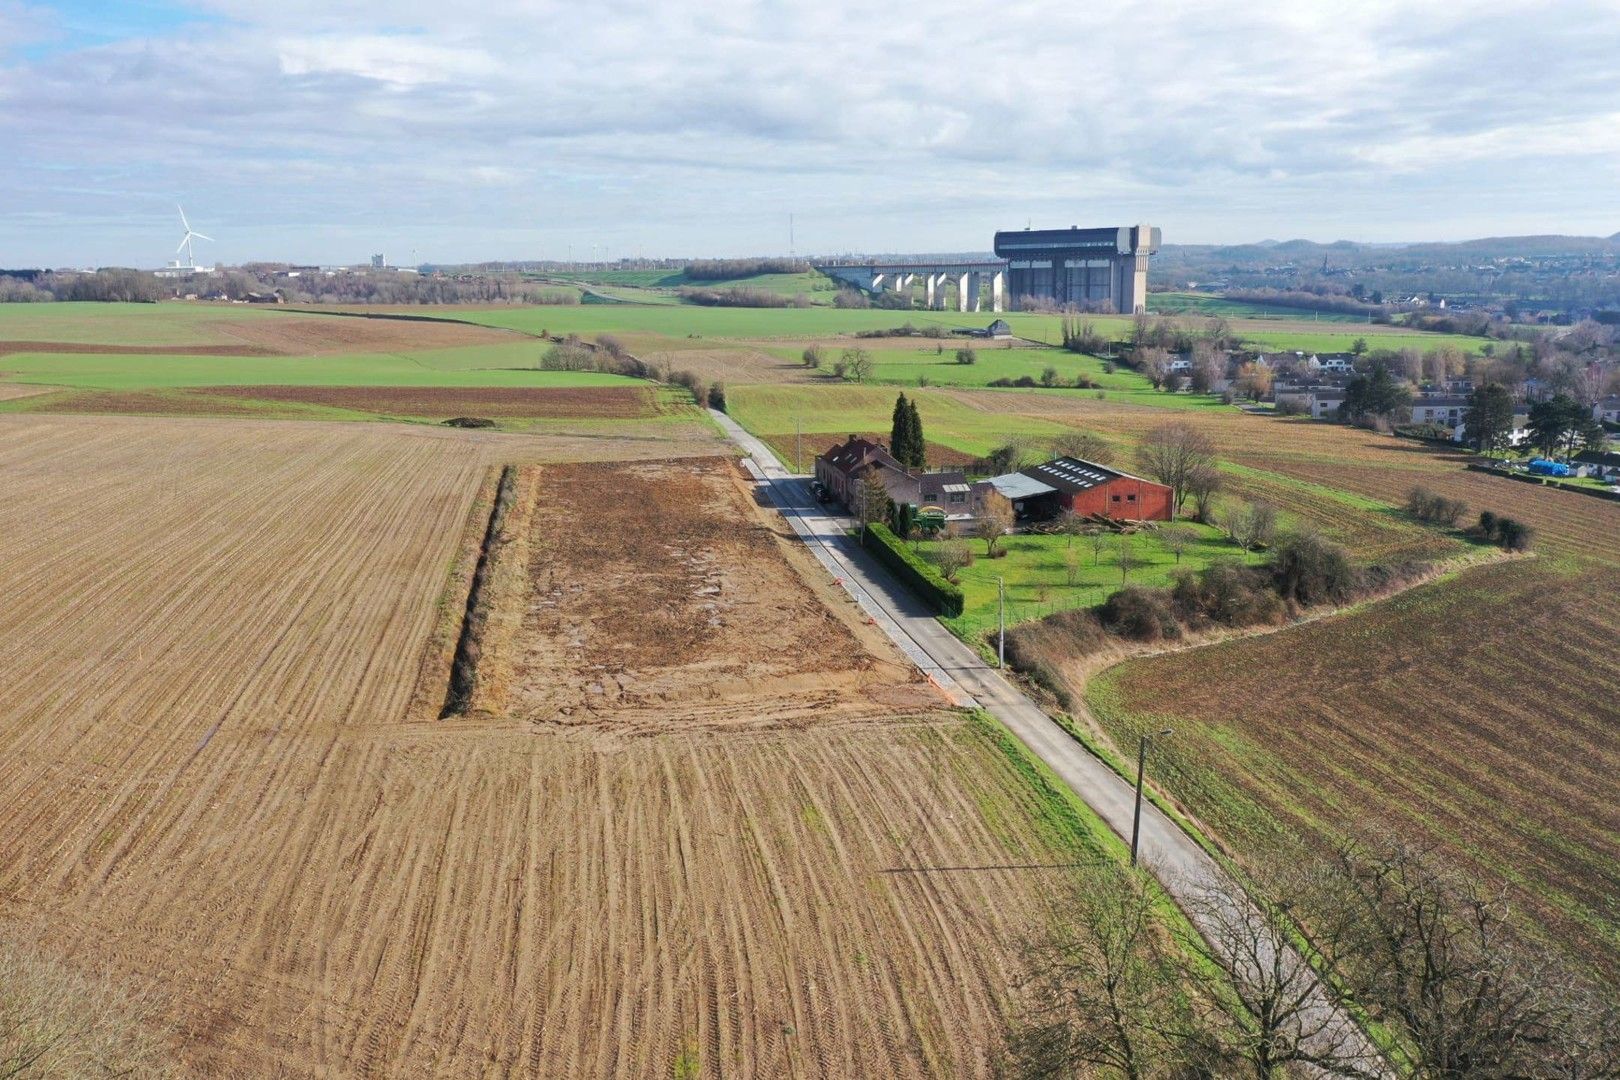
(220, 786)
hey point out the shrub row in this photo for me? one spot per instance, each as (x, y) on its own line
(742, 296)
(922, 576)
(1426, 506)
(725, 269)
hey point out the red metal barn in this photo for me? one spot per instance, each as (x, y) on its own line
(1088, 488)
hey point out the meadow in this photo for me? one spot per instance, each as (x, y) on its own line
(1171, 303)
(1036, 575)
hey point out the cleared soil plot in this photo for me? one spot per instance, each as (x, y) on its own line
(441, 402)
(210, 783)
(304, 334)
(1479, 713)
(657, 597)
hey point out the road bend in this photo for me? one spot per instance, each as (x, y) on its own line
(1186, 871)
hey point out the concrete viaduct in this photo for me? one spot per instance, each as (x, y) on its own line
(972, 280)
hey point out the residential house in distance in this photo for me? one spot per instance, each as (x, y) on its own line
(1320, 400)
(1325, 402)
(1607, 410)
(1603, 464)
(1332, 363)
(1518, 430)
(1445, 410)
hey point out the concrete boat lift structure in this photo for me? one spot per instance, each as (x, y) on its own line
(972, 280)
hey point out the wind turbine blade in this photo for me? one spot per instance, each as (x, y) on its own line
(183, 220)
(183, 244)
(200, 236)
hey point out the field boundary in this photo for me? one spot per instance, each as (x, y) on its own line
(469, 645)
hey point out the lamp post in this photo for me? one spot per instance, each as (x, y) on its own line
(1141, 764)
(1001, 623)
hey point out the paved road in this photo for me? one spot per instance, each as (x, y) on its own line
(1183, 867)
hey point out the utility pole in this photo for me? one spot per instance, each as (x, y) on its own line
(1001, 622)
(798, 448)
(1141, 765)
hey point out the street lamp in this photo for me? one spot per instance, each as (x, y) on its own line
(1141, 763)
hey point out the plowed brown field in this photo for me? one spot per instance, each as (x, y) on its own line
(211, 779)
(305, 334)
(441, 402)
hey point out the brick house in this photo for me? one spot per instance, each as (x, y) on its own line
(841, 467)
(949, 493)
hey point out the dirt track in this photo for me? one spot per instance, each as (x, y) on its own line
(211, 785)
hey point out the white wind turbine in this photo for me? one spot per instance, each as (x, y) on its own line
(185, 244)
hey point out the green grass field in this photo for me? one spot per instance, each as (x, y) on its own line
(838, 409)
(482, 365)
(1037, 576)
(1203, 304)
(120, 324)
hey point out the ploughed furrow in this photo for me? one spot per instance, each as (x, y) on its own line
(210, 784)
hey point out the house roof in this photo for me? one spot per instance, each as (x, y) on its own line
(1069, 475)
(854, 453)
(1609, 458)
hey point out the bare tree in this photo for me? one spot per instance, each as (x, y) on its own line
(1177, 539)
(1253, 525)
(1173, 454)
(1280, 1014)
(1071, 525)
(1437, 955)
(54, 1022)
(952, 557)
(1203, 484)
(1102, 989)
(1099, 540)
(1127, 558)
(1071, 566)
(1083, 445)
(1154, 362)
(857, 364)
(994, 522)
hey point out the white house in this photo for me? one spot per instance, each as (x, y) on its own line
(1607, 411)
(1444, 409)
(1325, 402)
(1518, 430)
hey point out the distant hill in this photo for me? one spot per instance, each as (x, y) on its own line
(1342, 253)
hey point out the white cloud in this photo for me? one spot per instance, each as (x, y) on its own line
(694, 128)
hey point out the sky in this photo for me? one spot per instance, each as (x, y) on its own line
(313, 131)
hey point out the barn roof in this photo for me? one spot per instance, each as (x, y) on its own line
(1018, 486)
(1070, 475)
